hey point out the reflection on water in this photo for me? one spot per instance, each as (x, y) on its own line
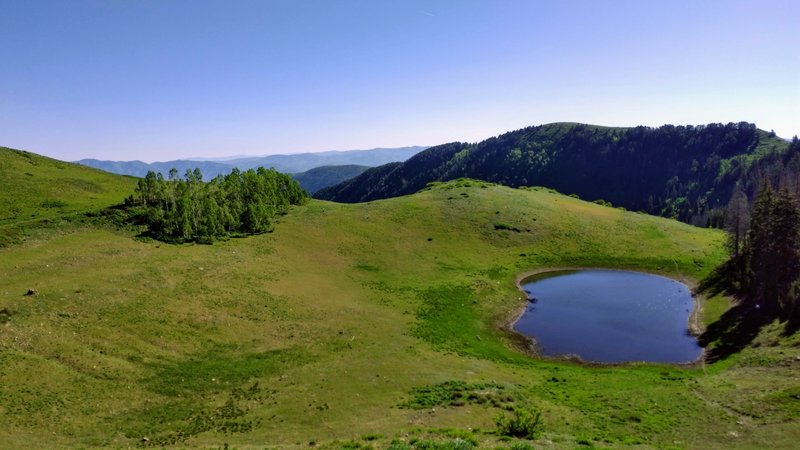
(610, 316)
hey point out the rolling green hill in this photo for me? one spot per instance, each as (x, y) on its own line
(352, 326)
(36, 189)
(683, 172)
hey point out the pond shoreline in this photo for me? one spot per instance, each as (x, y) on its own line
(693, 325)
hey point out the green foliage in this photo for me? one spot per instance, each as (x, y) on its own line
(455, 444)
(54, 204)
(182, 210)
(351, 445)
(321, 177)
(683, 172)
(382, 182)
(5, 316)
(398, 445)
(737, 218)
(218, 368)
(173, 423)
(523, 422)
(521, 446)
(765, 259)
(457, 393)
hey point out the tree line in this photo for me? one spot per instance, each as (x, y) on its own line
(764, 244)
(683, 172)
(187, 209)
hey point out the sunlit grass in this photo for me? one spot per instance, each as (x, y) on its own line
(339, 316)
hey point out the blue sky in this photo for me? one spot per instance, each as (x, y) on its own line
(163, 79)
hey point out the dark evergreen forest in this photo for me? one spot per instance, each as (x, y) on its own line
(683, 172)
(187, 209)
(764, 246)
(763, 272)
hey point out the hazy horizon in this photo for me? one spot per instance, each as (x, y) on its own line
(227, 158)
(158, 81)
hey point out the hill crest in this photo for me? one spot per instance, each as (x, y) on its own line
(685, 172)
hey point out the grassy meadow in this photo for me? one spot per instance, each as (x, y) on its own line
(375, 325)
(40, 194)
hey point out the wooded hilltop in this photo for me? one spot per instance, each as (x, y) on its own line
(683, 172)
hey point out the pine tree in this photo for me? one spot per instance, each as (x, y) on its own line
(737, 220)
(761, 283)
(773, 251)
(786, 249)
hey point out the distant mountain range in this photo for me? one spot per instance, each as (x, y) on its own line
(291, 164)
(210, 169)
(684, 172)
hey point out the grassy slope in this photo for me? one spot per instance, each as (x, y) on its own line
(37, 189)
(337, 315)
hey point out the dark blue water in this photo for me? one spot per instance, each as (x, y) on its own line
(610, 316)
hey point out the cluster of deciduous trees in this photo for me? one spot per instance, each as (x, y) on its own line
(187, 209)
(764, 242)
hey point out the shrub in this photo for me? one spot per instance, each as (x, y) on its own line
(5, 315)
(398, 445)
(455, 444)
(524, 422)
(454, 393)
(54, 204)
(505, 226)
(352, 445)
(521, 446)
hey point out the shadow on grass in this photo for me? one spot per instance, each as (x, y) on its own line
(720, 281)
(738, 326)
(734, 331)
(792, 326)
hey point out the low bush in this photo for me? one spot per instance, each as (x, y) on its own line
(54, 204)
(524, 422)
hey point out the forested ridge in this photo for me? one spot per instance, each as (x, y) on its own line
(188, 209)
(683, 172)
(321, 177)
(762, 219)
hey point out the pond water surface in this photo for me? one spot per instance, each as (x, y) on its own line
(609, 316)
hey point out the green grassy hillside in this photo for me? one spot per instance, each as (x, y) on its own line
(352, 326)
(35, 189)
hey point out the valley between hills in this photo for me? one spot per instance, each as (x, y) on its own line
(381, 324)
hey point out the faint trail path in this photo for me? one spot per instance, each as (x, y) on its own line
(741, 418)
